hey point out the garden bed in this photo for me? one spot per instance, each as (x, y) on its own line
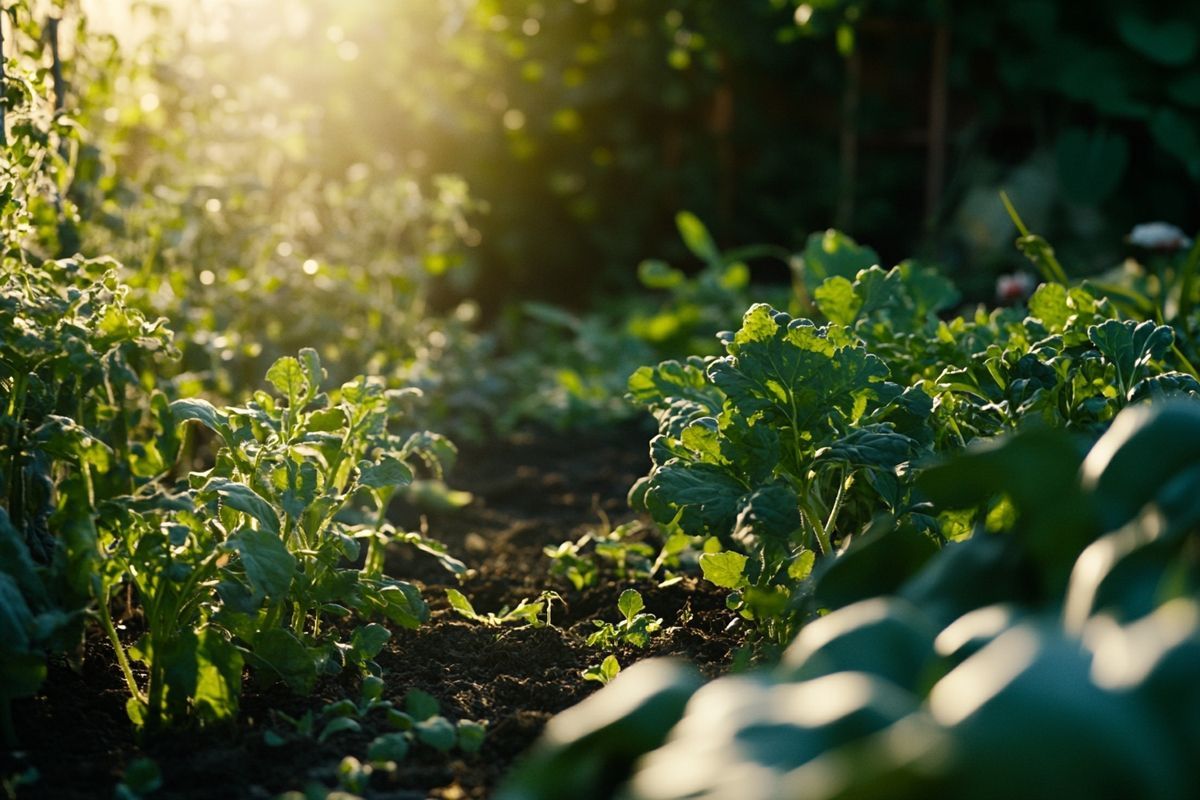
(531, 490)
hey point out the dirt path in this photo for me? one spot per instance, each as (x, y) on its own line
(530, 491)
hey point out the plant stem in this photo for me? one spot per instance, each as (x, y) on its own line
(110, 629)
(373, 564)
(837, 503)
(1187, 365)
(822, 535)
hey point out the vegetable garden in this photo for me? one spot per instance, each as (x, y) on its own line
(389, 408)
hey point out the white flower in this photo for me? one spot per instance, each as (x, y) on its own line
(1014, 288)
(1158, 236)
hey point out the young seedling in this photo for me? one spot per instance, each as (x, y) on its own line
(634, 629)
(608, 669)
(525, 613)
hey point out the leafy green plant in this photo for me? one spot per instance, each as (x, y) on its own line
(784, 445)
(525, 613)
(76, 417)
(604, 672)
(300, 482)
(141, 778)
(789, 446)
(635, 628)
(621, 550)
(418, 724)
(1077, 619)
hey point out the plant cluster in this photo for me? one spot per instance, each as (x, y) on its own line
(962, 672)
(272, 558)
(419, 724)
(803, 433)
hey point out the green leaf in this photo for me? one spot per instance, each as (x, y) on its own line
(438, 733)
(802, 566)
(697, 237)
(372, 687)
(803, 377)
(368, 641)
(630, 603)
(470, 735)
(1129, 345)
(242, 498)
(400, 720)
(339, 725)
(218, 677)
(403, 604)
(833, 253)
(281, 652)
(16, 620)
(205, 413)
(1185, 90)
(460, 603)
(1037, 470)
(1179, 136)
(64, 438)
(608, 669)
(652, 386)
(870, 446)
(21, 674)
(838, 301)
(301, 489)
(341, 708)
(421, 705)
(387, 747)
(310, 362)
(16, 561)
(288, 378)
(389, 471)
(267, 562)
(703, 438)
(1171, 42)
(655, 274)
(770, 514)
(725, 569)
(1062, 309)
(703, 496)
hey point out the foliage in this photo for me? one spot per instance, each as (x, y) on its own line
(1079, 116)
(420, 723)
(802, 435)
(90, 453)
(525, 613)
(635, 628)
(1076, 621)
(77, 422)
(604, 672)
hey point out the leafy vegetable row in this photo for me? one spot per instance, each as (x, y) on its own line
(1052, 657)
(803, 434)
(273, 558)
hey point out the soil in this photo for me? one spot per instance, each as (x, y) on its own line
(530, 491)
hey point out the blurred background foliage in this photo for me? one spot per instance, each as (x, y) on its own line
(583, 126)
(380, 180)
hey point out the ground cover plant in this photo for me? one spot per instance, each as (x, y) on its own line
(308, 490)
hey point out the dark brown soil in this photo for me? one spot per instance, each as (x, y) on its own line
(530, 491)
